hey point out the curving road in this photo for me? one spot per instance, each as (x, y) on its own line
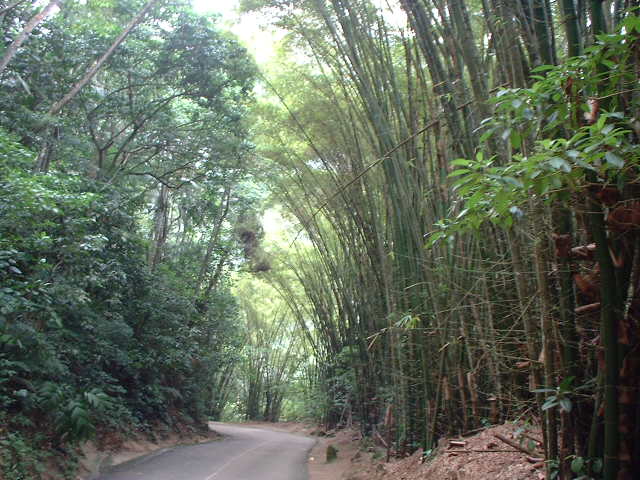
(245, 453)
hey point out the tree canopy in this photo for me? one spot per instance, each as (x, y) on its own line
(457, 245)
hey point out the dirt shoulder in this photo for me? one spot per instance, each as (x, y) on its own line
(476, 457)
(353, 459)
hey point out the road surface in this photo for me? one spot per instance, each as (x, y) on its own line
(245, 453)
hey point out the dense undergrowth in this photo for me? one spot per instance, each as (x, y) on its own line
(91, 339)
(121, 214)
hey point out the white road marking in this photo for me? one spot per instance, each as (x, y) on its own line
(213, 475)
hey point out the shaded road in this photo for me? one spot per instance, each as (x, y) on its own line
(245, 453)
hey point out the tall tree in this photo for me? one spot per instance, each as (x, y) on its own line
(44, 157)
(12, 49)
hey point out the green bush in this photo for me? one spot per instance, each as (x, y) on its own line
(90, 339)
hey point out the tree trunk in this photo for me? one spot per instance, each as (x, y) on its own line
(161, 226)
(570, 20)
(217, 274)
(549, 348)
(213, 240)
(610, 309)
(43, 161)
(28, 28)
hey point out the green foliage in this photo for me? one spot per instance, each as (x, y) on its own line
(102, 326)
(561, 396)
(544, 155)
(89, 338)
(20, 458)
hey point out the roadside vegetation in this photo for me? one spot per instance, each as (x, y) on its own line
(119, 220)
(464, 178)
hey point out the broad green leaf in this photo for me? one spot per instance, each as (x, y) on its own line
(577, 465)
(516, 140)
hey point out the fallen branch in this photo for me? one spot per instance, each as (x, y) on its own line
(457, 443)
(583, 252)
(474, 431)
(482, 451)
(512, 443)
(529, 437)
(379, 437)
(592, 307)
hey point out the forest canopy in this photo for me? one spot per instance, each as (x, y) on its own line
(456, 188)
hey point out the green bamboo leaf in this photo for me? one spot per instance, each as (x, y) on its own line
(614, 159)
(597, 465)
(543, 68)
(486, 135)
(543, 390)
(551, 402)
(560, 164)
(565, 385)
(607, 129)
(632, 22)
(462, 214)
(565, 404)
(458, 172)
(462, 162)
(433, 238)
(512, 181)
(585, 165)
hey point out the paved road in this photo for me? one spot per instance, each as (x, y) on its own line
(245, 453)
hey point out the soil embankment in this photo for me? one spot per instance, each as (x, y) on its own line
(477, 457)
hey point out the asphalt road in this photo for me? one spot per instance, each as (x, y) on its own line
(245, 453)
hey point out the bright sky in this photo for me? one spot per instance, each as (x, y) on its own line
(258, 41)
(225, 7)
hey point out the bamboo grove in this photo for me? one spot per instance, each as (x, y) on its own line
(464, 177)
